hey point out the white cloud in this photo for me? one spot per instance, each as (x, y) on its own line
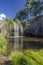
(2, 16)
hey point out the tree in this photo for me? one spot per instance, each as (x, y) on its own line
(33, 8)
(22, 14)
(36, 7)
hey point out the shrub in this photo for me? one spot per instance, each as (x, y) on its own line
(3, 44)
(18, 58)
(34, 56)
(28, 57)
(40, 52)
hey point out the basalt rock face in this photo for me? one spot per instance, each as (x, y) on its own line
(35, 29)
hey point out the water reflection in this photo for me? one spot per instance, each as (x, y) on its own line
(18, 43)
(21, 44)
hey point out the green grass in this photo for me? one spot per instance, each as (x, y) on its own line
(34, 56)
(18, 58)
(40, 52)
(3, 44)
(28, 57)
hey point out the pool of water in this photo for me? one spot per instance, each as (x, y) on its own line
(23, 43)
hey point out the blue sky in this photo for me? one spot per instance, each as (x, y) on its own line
(11, 7)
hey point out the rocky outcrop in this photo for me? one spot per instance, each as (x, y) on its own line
(35, 29)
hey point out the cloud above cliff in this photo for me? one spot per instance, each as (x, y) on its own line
(2, 16)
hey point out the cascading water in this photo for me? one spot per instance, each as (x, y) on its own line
(16, 29)
(17, 36)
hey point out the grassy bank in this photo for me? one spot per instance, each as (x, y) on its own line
(28, 57)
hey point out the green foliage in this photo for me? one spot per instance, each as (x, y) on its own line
(33, 8)
(18, 58)
(28, 57)
(34, 56)
(40, 52)
(18, 21)
(8, 21)
(28, 3)
(36, 6)
(3, 44)
(22, 14)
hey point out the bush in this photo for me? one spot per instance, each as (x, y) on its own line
(28, 57)
(3, 44)
(40, 52)
(18, 58)
(34, 56)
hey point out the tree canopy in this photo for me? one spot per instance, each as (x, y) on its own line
(32, 8)
(22, 14)
(35, 7)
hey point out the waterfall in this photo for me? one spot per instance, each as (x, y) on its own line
(16, 30)
(18, 44)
